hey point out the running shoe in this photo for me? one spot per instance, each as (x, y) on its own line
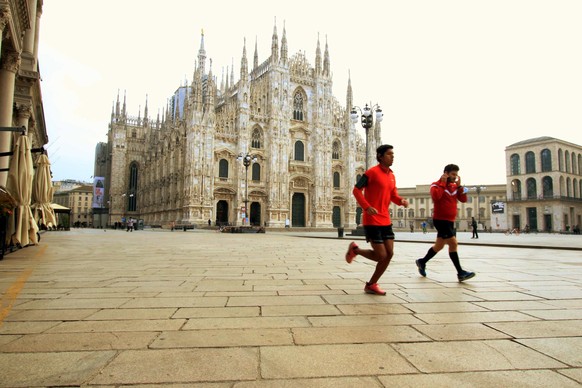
(350, 254)
(465, 275)
(421, 268)
(374, 289)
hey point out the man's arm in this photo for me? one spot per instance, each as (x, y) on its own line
(358, 192)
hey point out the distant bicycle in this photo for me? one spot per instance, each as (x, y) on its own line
(512, 231)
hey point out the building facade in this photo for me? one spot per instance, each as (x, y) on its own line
(544, 184)
(79, 201)
(185, 166)
(481, 200)
(20, 89)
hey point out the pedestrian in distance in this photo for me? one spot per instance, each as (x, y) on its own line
(374, 192)
(474, 226)
(445, 193)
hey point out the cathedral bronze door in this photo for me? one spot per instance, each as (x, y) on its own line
(222, 213)
(336, 217)
(255, 214)
(298, 210)
(358, 215)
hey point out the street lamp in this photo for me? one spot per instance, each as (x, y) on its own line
(246, 161)
(478, 189)
(367, 121)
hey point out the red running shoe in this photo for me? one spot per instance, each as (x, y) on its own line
(350, 254)
(374, 289)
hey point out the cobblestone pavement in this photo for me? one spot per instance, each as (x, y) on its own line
(205, 309)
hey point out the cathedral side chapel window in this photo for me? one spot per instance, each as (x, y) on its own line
(335, 153)
(132, 197)
(336, 180)
(256, 172)
(298, 107)
(299, 151)
(223, 168)
(257, 138)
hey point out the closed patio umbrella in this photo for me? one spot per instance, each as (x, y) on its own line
(22, 228)
(42, 193)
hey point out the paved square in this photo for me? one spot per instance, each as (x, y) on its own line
(199, 308)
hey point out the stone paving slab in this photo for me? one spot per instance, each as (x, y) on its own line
(198, 309)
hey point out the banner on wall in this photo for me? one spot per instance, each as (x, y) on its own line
(498, 207)
(98, 191)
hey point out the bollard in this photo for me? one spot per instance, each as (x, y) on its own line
(340, 232)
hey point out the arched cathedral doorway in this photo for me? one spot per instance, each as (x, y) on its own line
(298, 210)
(255, 214)
(336, 217)
(222, 212)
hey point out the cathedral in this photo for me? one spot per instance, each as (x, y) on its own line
(273, 148)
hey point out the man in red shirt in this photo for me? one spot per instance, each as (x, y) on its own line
(445, 193)
(374, 192)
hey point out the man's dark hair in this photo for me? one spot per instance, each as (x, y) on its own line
(380, 151)
(451, 167)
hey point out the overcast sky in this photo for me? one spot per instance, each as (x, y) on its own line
(458, 80)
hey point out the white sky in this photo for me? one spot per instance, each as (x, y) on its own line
(458, 80)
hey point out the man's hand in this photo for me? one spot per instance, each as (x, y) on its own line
(404, 203)
(371, 210)
(445, 178)
(459, 180)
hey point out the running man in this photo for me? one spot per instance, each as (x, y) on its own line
(374, 192)
(445, 193)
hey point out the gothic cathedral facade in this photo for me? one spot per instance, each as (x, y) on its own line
(187, 166)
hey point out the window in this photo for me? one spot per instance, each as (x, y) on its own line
(546, 160)
(530, 163)
(560, 164)
(223, 168)
(257, 138)
(133, 180)
(515, 164)
(335, 152)
(298, 107)
(547, 187)
(256, 172)
(516, 189)
(336, 180)
(567, 160)
(299, 151)
(531, 187)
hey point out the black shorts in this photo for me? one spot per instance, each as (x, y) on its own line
(445, 229)
(378, 234)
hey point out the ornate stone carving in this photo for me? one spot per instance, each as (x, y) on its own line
(11, 61)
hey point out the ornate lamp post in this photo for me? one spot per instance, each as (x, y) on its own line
(367, 121)
(246, 161)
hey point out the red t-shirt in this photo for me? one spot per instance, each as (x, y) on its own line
(377, 188)
(445, 197)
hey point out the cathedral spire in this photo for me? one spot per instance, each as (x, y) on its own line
(244, 67)
(227, 86)
(349, 94)
(202, 55)
(117, 104)
(124, 111)
(326, 70)
(222, 81)
(275, 45)
(318, 58)
(232, 74)
(145, 113)
(256, 59)
(284, 49)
